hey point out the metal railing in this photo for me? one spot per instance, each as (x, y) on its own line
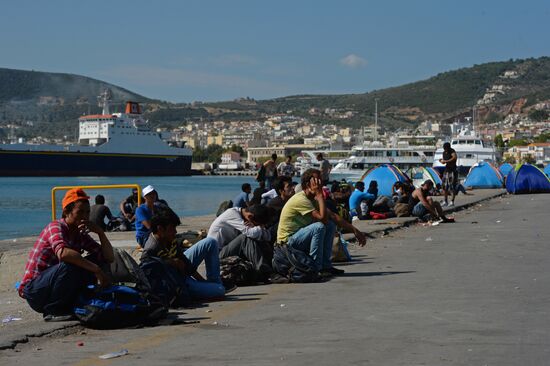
(112, 186)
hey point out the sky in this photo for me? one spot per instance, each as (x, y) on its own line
(184, 51)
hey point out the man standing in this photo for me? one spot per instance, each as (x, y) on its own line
(56, 271)
(286, 168)
(308, 226)
(270, 171)
(450, 174)
(325, 168)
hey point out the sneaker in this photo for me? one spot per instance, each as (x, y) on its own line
(325, 273)
(58, 318)
(444, 204)
(230, 288)
(452, 203)
(335, 271)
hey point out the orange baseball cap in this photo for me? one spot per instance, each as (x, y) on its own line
(73, 195)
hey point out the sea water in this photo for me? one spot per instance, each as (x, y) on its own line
(26, 207)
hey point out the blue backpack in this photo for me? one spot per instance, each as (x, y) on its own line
(294, 264)
(118, 307)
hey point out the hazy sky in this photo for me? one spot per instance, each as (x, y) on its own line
(183, 51)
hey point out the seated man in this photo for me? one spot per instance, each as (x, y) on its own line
(128, 208)
(56, 271)
(285, 189)
(99, 211)
(421, 205)
(243, 198)
(357, 196)
(307, 225)
(241, 232)
(161, 244)
(257, 195)
(145, 211)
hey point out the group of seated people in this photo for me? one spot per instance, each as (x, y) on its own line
(405, 200)
(57, 269)
(302, 216)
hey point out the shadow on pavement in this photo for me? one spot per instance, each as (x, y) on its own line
(371, 274)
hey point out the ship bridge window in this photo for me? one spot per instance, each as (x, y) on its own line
(415, 153)
(429, 153)
(469, 156)
(358, 166)
(478, 142)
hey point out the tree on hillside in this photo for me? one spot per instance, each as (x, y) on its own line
(510, 160)
(542, 137)
(538, 115)
(529, 159)
(237, 148)
(212, 154)
(517, 142)
(499, 141)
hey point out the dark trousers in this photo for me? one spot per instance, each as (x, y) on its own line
(258, 253)
(56, 289)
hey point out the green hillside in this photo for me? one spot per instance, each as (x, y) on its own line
(51, 100)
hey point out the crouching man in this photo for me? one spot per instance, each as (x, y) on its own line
(161, 244)
(56, 271)
(421, 205)
(308, 226)
(241, 232)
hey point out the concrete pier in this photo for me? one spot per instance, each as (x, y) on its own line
(473, 292)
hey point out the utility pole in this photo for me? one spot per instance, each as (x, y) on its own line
(375, 119)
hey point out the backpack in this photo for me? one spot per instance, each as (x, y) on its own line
(125, 270)
(294, 264)
(118, 306)
(224, 206)
(165, 282)
(237, 271)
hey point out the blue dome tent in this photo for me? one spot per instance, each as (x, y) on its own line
(505, 169)
(386, 176)
(547, 170)
(527, 178)
(421, 174)
(484, 175)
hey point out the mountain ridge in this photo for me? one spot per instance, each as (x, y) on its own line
(495, 88)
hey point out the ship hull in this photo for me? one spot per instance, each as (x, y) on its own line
(72, 164)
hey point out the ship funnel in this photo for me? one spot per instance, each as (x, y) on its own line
(133, 108)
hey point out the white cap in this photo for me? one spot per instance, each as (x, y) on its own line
(148, 190)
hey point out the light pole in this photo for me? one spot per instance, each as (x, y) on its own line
(375, 119)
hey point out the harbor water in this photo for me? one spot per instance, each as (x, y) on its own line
(25, 203)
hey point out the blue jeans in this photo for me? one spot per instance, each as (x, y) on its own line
(56, 289)
(269, 182)
(205, 250)
(419, 210)
(315, 239)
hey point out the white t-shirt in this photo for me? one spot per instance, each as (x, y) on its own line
(230, 224)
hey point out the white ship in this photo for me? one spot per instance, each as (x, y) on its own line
(368, 155)
(109, 144)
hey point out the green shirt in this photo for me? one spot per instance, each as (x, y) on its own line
(296, 214)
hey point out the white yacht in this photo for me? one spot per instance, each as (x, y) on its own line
(402, 154)
(470, 150)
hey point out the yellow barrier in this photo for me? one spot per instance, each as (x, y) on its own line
(64, 188)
